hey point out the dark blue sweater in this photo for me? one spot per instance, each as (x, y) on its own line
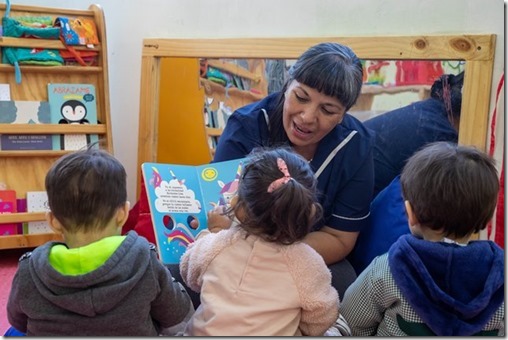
(401, 132)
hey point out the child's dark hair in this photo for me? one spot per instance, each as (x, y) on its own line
(448, 89)
(332, 69)
(85, 188)
(286, 214)
(451, 187)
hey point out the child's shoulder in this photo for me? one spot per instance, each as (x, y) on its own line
(300, 254)
(378, 271)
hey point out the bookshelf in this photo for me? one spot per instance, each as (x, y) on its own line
(232, 96)
(25, 171)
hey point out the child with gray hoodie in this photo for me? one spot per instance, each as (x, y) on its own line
(96, 282)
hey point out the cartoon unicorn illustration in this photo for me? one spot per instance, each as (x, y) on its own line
(228, 190)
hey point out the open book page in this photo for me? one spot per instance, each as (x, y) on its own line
(178, 194)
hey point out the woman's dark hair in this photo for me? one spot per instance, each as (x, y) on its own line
(448, 89)
(85, 188)
(330, 68)
(451, 187)
(286, 214)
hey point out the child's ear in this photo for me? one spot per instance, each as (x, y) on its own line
(122, 214)
(314, 208)
(54, 223)
(410, 214)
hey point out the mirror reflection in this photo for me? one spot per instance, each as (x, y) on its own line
(173, 95)
(231, 83)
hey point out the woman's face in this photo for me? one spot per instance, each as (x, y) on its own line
(309, 115)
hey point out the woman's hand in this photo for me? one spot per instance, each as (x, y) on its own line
(217, 220)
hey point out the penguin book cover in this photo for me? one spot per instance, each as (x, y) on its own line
(72, 104)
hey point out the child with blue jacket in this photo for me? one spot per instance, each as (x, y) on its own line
(436, 281)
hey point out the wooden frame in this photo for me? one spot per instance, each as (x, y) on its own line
(476, 50)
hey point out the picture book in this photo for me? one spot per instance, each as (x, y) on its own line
(178, 194)
(72, 104)
(21, 208)
(5, 92)
(37, 201)
(8, 206)
(25, 112)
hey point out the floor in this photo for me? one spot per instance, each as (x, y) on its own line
(8, 264)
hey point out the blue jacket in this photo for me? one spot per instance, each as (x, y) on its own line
(454, 289)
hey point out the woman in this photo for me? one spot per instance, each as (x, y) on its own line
(403, 131)
(310, 115)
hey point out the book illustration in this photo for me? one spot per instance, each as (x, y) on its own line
(25, 112)
(179, 194)
(8, 206)
(5, 92)
(72, 104)
(8, 228)
(37, 201)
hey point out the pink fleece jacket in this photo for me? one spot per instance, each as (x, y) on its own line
(252, 287)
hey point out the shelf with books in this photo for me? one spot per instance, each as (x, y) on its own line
(212, 88)
(27, 241)
(22, 217)
(52, 69)
(214, 132)
(234, 69)
(42, 43)
(34, 153)
(99, 129)
(24, 170)
(232, 98)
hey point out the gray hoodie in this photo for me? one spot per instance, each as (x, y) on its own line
(131, 294)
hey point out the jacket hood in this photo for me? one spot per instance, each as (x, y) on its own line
(454, 289)
(95, 292)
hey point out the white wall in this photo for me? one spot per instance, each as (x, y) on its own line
(128, 22)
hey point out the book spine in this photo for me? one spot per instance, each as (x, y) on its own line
(21, 206)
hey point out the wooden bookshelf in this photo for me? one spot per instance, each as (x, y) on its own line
(25, 171)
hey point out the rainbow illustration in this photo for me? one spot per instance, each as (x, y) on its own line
(181, 234)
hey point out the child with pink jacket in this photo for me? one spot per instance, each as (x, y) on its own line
(258, 277)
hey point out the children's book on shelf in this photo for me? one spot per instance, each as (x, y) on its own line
(8, 206)
(72, 104)
(178, 194)
(5, 92)
(25, 112)
(37, 201)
